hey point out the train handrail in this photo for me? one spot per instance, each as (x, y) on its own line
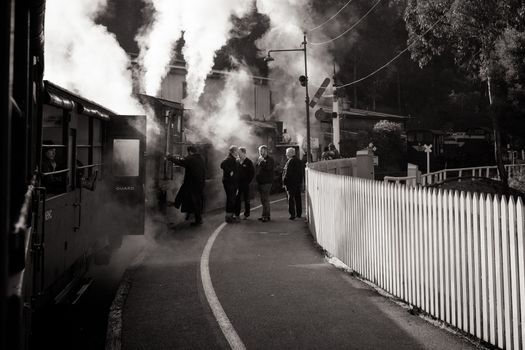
(90, 166)
(57, 172)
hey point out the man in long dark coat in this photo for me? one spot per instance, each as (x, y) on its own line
(246, 174)
(292, 180)
(190, 197)
(230, 181)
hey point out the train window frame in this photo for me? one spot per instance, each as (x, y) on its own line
(61, 184)
(94, 125)
(128, 150)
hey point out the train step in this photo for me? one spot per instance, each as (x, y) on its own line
(72, 293)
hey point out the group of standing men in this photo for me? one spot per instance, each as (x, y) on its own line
(238, 173)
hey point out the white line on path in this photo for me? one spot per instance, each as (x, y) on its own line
(215, 305)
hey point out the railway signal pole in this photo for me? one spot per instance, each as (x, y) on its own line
(428, 150)
(304, 82)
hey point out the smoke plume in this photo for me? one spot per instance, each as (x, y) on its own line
(206, 26)
(218, 118)
(289, 20)
(84, 57)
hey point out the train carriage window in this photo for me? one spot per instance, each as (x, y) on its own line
(97, 133)
(83, 130)
(126, 157)
(54, 163)
(97, 146)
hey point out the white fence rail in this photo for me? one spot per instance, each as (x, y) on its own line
(457, 256)
(441, 175)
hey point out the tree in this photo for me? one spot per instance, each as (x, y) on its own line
(386, 136)
(472, 31)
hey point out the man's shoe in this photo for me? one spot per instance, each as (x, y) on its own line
(261, 219)
(265, 220)
(291, 218)
(245, 217)
(236, 219)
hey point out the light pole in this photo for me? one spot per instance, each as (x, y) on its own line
(304, 81)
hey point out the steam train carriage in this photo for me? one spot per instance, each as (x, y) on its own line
(91, 192)
(94, 192)
(71, 182)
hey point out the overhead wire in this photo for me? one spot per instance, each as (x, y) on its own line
(331, 18)
(394, 58)
(349, 29)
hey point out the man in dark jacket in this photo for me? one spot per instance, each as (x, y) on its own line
(190, 197)
(292, 180)
(246, 173)
(264, 173)
(230, 181)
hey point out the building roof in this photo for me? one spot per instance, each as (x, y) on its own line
(262, 124)
(160, 101)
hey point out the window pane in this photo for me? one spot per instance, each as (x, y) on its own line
(82, 156)
(126, 154)
(83, 130)
(97, 132)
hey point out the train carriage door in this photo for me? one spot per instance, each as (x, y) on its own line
(126, 146)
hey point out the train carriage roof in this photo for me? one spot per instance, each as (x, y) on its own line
(59, 97)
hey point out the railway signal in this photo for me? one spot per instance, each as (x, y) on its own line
(319, 92)
(428, 150)
(303, 80)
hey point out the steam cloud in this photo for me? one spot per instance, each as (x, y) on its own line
(289, 20)
(84, 57)
(218, 118)
(206, 26)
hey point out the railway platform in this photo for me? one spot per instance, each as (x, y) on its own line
(256, 285)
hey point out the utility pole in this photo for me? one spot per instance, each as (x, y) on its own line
(336, 124)
(304, 82)
(307, 102)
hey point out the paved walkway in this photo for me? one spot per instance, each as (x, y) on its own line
(274, 287)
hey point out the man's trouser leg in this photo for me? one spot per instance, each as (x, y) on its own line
(298, 203)
(231, 192)
(291, 202)
(264, 191)
(197, 206)
(246, 194)
(238, 200)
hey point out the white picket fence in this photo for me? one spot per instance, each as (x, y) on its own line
(457, 256)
